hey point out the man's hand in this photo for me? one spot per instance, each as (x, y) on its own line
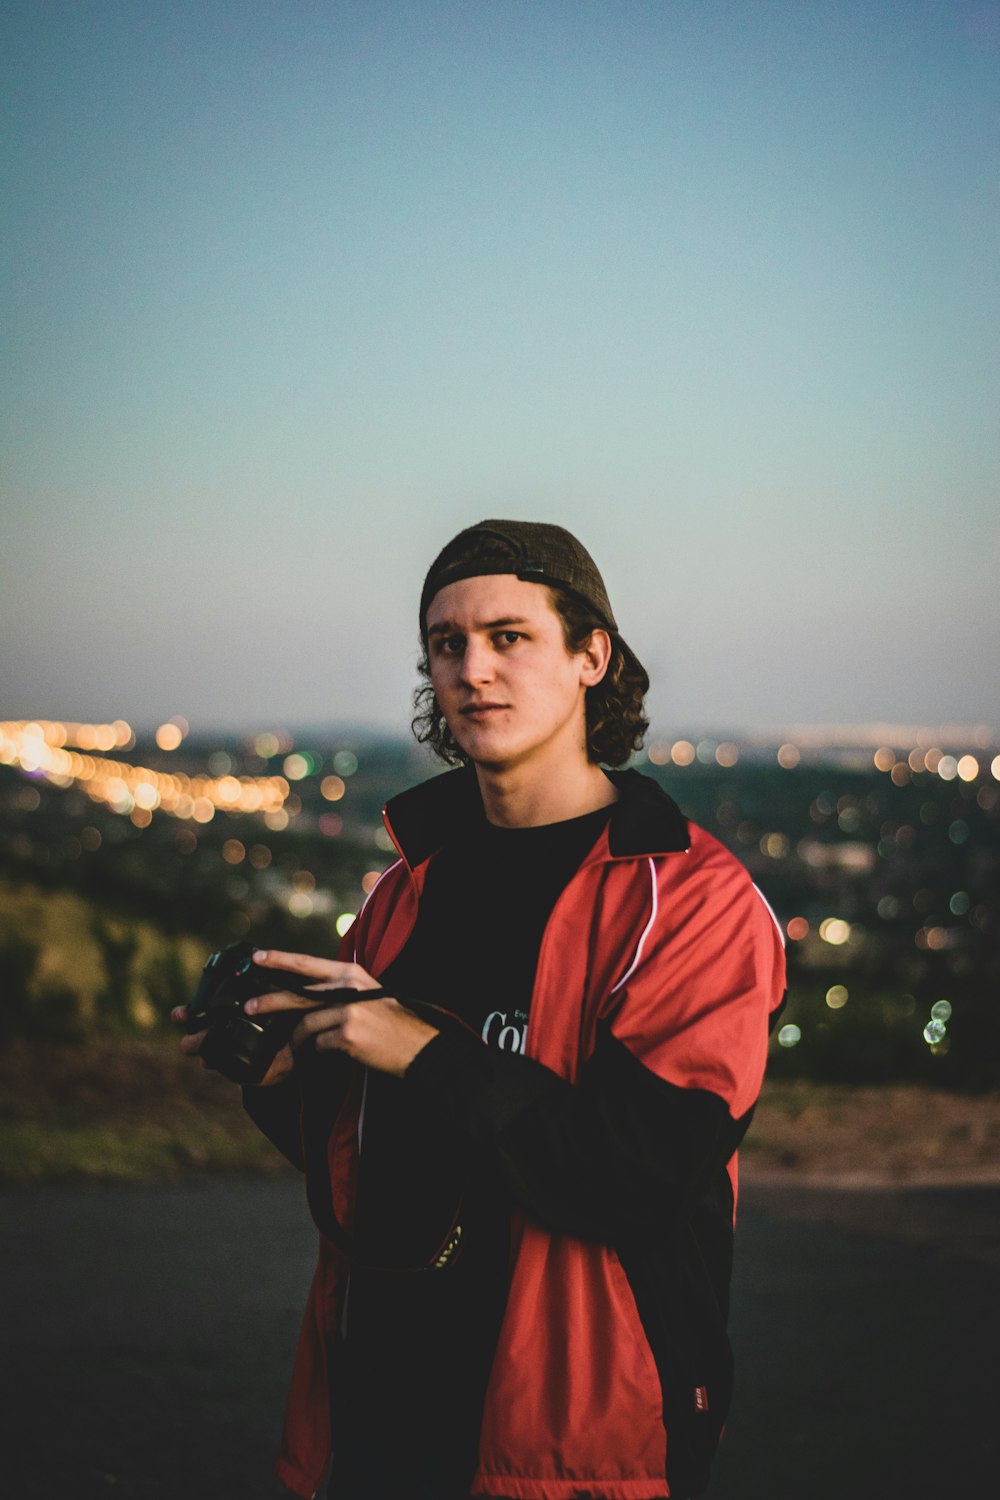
(382, 1034)
(281, 1064)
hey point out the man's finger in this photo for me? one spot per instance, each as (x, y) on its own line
(281, 1000)
(318, 1023)
(297, 963)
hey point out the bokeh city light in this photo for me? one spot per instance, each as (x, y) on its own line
(42, 748)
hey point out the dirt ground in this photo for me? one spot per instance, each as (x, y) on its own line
(137, 1110)
(851, 1135)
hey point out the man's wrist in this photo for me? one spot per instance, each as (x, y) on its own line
(446, 1053)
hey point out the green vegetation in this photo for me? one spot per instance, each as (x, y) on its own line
(124, 1109)
(119, 1109)
(93, 1086)
(70, 970)
(889, 889)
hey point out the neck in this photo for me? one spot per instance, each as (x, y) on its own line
(518, 797)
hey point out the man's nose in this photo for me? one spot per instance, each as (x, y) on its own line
(477, 662)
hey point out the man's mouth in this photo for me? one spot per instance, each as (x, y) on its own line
(473, 710)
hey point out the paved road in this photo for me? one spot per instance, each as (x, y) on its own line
(147, 1334)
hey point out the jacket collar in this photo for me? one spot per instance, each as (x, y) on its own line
(424, 819)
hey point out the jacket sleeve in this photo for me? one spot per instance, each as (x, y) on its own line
(276, 1111)
(665, 1096)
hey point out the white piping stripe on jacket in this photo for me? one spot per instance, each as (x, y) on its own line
(771, 911)
(354, 926)
(361, 1109)
(646, 931)
(364, 1086)
(361, 1131)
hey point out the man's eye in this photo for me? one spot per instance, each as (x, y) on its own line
(509, 637)
(451, 645)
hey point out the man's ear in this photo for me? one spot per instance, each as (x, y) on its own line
(595, 658)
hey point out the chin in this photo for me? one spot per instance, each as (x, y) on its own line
(486, 747)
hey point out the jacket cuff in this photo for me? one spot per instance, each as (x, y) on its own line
(450, 1054)
(270, 1100)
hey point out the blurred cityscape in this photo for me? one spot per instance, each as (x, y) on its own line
(124, 859)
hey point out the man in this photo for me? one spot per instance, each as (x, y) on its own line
(521, 1155)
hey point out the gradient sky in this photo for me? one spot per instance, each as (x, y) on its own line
(297, 289)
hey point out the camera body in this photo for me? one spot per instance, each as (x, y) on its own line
(239, 1046)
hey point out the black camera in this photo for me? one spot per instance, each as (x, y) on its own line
(240, 1046)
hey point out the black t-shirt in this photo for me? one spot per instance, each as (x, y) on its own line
(417, 1346)
(485, 904)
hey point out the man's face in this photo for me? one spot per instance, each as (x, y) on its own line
(509, 690)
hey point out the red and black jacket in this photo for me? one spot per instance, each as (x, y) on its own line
(660, 971)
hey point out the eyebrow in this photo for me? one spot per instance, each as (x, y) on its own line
(448, 625)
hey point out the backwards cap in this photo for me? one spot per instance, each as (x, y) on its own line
(532, 550)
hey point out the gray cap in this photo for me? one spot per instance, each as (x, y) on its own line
(532, 550)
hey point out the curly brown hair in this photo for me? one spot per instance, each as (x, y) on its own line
(616, 721)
